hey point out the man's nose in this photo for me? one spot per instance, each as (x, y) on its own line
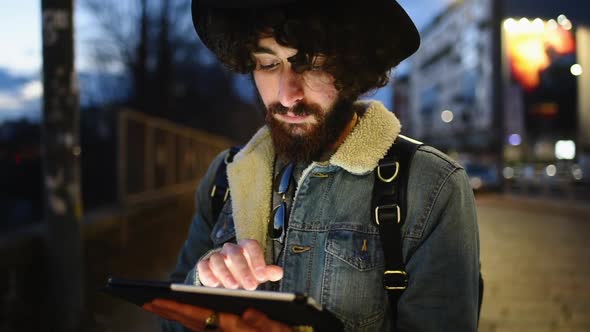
(290, 88)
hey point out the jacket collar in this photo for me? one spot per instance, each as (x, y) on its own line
(369, 140)
(250, 173)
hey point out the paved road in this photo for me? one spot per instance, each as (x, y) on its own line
(535, 261)
(536, 265)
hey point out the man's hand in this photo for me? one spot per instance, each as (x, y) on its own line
(239, 265)
(193, 317)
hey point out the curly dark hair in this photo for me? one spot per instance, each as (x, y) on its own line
(356, 42)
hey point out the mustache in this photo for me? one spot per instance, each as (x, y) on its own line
(299, 109)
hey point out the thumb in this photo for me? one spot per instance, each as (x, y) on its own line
(273, 272)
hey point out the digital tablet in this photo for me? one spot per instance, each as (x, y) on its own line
(290, 308)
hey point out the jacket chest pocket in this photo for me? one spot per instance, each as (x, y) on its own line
(224, 229)
(352, 281)
(359, 249)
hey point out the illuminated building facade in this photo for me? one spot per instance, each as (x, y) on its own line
(522, 103)
(450, 84)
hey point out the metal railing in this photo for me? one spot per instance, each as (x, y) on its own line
(158, 158)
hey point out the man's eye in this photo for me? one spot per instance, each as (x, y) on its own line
(269, 66)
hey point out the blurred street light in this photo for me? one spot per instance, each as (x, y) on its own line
(514, 139)
(577, 172)
(538, 25)
(564, 22)
(565, 150)
(552, 24)
(576, 69)
(524, 24)
(561, 19)
(475, 182)
(510, 25)
(508, 172)
(446, 116)
(551, 170)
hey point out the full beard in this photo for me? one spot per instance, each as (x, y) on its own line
(308, 141)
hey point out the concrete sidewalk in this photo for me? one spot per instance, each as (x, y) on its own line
(535, 261)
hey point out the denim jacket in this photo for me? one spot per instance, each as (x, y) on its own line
(333, 250)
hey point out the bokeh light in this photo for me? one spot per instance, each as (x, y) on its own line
(447, 116)
(551, 170)
(576, 69)
(514, 139)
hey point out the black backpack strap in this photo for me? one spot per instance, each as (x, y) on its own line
(389, 212)
(220, 190)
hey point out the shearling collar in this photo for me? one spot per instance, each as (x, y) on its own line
(250, 173)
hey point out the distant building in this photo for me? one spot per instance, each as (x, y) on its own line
(450, 83)
(402, 105)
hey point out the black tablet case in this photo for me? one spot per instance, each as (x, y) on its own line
(293, 313)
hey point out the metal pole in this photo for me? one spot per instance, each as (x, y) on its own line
(61, 152)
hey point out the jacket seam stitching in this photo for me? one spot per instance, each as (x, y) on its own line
(453, 166)
(437, 195)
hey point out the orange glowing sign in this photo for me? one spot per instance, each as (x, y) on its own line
(531, 45)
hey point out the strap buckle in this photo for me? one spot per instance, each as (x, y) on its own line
(390, 206)
(387, 164)
(395, 280)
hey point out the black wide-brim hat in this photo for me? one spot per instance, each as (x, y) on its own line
(206, 14)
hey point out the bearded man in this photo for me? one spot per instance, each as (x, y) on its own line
(299, 217)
